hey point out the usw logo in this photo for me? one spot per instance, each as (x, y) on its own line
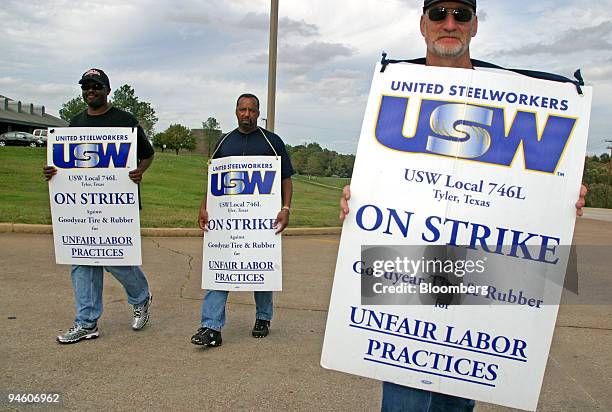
(475, 132)
(90, 155)
(239, 182)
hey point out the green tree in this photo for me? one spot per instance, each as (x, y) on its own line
(159, 141)
(315, 166)
(342, 165)
(598, 178)
(299, 160)
(177, 137)
(72, 107)
(313, 160)
(125, 98)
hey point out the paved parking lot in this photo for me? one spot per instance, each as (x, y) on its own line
(157, 368)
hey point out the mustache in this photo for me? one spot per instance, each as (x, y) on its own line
(448, 36)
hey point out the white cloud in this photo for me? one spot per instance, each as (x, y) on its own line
(575, 40)
(301, 58)
(192, 58)
(338, 87)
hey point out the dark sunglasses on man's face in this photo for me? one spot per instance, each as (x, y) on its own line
(460, 15)
(92, 86)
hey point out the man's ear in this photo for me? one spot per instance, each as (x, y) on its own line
(422, 24)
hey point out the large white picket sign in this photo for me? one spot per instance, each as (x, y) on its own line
(486, 160)
(94, 204)
(241, 250)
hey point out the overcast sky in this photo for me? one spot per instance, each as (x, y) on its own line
(190, 59)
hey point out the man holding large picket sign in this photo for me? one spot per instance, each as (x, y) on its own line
(465, 157)
(98, 163)
(246, 207)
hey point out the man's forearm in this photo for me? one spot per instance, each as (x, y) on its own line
(286, 191)
(145, 163)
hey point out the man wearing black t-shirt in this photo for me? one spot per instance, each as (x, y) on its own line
(247, 140)
(87, 281)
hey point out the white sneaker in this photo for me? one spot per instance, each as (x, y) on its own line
(78, 333)
(141, 314)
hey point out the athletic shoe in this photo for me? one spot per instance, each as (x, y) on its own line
(78, 333)
(207, 337)
(261, 328)
(141, 314)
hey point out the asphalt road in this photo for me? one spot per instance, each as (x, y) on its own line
(158, 368)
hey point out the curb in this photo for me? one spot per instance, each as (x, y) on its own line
(166, 232)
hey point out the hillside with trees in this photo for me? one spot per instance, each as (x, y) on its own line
(312, 159)
(598, 178)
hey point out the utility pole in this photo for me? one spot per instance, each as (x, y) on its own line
(206, 140)
(609, 171)
(272, 64)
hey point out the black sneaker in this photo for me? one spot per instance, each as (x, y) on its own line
(207, 337)
(261, 328)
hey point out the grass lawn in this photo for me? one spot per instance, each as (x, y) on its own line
(172, 190)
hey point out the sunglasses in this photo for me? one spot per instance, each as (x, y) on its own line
(460, 15)
(92, 86)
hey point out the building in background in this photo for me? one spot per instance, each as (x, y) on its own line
(206, 140)
(25, 117)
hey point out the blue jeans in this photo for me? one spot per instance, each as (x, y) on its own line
(213, 308)
(87, 283)
(397, 398)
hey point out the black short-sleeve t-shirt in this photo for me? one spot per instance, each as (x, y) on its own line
(116, 118)
(237, 143)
